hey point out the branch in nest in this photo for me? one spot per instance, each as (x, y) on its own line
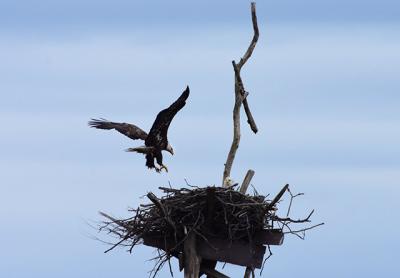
(288, 219)
(279, 196)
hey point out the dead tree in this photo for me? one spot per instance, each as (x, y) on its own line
(241, 98)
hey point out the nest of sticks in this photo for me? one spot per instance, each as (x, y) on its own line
(221, 212)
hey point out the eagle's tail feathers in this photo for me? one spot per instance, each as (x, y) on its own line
(142, 150)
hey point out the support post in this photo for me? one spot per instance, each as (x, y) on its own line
(191, 259)
(243, 189)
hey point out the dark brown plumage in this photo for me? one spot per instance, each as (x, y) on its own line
(129, 130)
(156, 141)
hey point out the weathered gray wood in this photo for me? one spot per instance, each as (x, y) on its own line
(246, 181)
(241, 98)
(191, 259)
(236, 136)
(246, 56)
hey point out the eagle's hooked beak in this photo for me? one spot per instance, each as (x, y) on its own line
(170, 149)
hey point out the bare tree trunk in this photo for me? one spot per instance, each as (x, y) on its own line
(241, 98)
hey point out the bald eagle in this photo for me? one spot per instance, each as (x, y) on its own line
(154, 142)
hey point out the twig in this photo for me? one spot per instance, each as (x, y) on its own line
(303, 230)
(265, 260)
(170, 267)
(291, 200)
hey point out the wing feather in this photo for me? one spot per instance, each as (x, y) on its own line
(126, 129)
(158, 132)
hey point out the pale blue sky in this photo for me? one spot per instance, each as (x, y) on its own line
(323, 86)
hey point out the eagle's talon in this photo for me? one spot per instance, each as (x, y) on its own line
(164, 167)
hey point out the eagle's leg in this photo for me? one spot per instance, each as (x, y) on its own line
(159, 162)
(150, 163)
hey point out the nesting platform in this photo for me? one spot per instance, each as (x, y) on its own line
(228, 226)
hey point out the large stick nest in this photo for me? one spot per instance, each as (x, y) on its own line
(218, 212)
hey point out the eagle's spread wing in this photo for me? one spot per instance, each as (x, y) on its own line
(158, 132)
(129, 130)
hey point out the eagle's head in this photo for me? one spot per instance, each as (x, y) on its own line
(228, 181)
(169, 149)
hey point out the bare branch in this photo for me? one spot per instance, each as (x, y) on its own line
(246, 181)
(243, 60)
(250, 118)
(279, 196)
(253, 42)
(305, 229)
(291, 200)
(288, 219)
(265, 260)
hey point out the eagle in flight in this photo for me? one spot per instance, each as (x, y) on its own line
(154, 142)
